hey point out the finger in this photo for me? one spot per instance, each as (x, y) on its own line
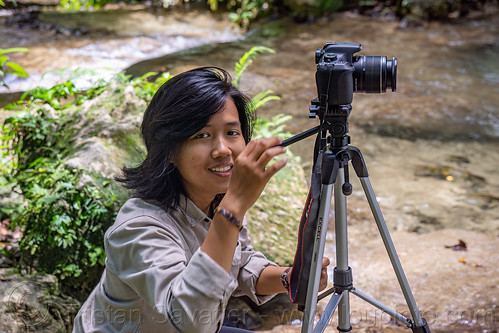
(270, 153)
(261, 145)
(248, 149)
(323, 280)
(325, 262)
(272, 170)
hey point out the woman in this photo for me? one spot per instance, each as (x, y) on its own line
(179, 248)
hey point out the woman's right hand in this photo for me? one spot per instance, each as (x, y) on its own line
(251, 173)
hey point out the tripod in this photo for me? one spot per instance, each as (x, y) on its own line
(334, 154)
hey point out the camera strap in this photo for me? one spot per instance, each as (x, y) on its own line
(306, 237)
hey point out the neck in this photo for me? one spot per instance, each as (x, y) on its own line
(202, 203)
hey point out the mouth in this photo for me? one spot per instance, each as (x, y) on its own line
(226, 170)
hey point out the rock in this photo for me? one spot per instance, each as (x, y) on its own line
(242, 313)
(31, 303)
(107, 131)
(274, 219)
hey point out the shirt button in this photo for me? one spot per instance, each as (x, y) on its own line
(207, 220)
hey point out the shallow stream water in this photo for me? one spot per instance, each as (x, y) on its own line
(432, 147)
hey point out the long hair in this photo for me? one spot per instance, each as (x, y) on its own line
(180, 108)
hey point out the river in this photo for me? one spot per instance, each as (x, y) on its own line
(431, 147)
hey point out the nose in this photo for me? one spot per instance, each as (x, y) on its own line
(220, 148)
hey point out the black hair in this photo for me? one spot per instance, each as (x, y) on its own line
(181, 107)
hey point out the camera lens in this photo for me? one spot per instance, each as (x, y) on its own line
(374, 74)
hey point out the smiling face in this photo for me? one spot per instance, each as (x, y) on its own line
(206, 159)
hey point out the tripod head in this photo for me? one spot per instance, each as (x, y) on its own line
(334, 120)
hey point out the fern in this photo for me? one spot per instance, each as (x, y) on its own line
(261, 98)
(246, 60)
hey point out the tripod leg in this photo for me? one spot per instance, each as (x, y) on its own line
(395, 315)
(390, 248)
(340, 212)
(316, 265)
(328, 311)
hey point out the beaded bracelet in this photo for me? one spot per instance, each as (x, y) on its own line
(284, 278)
(228, 215)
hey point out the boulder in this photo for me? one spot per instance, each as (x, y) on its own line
(31, 303)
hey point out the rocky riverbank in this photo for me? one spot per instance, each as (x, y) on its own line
(431, 149)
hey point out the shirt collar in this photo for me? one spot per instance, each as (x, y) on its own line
(193, 214)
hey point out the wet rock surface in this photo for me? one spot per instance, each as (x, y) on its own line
(30, 303)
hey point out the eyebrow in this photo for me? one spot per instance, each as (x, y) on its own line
(230, 123)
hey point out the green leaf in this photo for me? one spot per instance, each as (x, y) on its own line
(261, 98)
(246, 60)
(15, 49)
(50, 198)
(16, 69)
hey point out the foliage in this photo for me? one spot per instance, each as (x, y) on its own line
(261, 98)
(328, 6)
(242, 65)
(8, 67)
(59, 97)
(84, 4)
(247, 11)
(273, 127)
(246, 60)
(146, 85)
(244, 12)
(274, 217)
(213, 4)
(63, 221)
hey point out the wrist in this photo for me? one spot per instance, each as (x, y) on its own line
(285, 278)
(229, 217)
(233, 207)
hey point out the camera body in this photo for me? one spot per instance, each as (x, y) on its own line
(340, 73)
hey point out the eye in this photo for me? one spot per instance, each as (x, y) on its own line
(233, 133)
(201, 136)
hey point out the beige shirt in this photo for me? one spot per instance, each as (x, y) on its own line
(158, 280)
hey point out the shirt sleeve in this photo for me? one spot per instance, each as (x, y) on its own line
(252, 264)
(148, 257)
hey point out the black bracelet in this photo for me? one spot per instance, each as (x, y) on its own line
(228, 215)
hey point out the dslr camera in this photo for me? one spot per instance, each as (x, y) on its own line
(340, 73)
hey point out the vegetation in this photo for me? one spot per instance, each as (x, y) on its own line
(63, 221)
(242, 65)
(245, 12)
(9, 67)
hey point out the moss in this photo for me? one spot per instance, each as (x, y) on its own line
(274, 219)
